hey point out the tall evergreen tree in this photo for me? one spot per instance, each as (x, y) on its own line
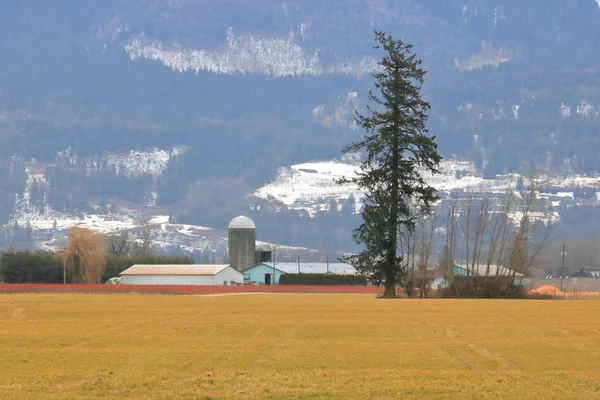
(398, 150)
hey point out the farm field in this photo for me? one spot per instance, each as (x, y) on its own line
(296, 346)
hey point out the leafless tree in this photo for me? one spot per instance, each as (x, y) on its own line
(121, 244)
(532, 235)
(468, 230)
(427, 228)
(480, 230)
(505, 229)
(500, 221)
(451, 231)
(145, 238)
(405, 242)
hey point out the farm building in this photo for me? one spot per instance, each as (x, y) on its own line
(181, 275)
(494, 270)
(481, 270)
(267, 273)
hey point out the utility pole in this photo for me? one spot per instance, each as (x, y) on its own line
(274, 258)
(298, 260)
(327, 262)
(562, 269)
(64, 266)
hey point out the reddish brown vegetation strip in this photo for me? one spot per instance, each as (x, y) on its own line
(179, 289)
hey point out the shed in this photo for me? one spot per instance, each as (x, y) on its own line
(193, 274)
(263, 273)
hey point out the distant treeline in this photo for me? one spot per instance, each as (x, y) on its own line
(47, 266)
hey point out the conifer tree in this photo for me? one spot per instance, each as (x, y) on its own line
(397, 151)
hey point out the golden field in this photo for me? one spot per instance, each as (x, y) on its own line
(296, 346)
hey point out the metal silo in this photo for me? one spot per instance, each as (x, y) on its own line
(242, 243)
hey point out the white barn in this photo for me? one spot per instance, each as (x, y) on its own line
(206, 275)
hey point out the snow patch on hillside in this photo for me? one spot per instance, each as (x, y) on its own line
(489, 56)
(583, 109)
(62, 221)
(68, 156)
(243, 55)
(311, 186)
(342, 114)
(152, 162)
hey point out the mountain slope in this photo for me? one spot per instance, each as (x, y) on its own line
(247, 86)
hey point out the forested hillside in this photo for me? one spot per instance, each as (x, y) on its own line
(246, 87)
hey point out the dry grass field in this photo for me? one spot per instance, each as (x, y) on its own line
(296, 346)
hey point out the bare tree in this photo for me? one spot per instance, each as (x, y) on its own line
(120, 244)
(467, 230)
(426, 240)
(145, 238)
(505, 230)
(532, 236)
(480, 228)
(86, 256)
(450, 248)
(413, 253)
(500, 222)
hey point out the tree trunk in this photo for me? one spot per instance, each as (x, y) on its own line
(391, 272)
(389, 291)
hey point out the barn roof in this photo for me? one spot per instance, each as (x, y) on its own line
(183, 269)
(314, 268)
(481, 270)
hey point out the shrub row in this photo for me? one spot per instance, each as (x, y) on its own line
(490, 287)
(322, 279)
(47, 267)
(31, 267)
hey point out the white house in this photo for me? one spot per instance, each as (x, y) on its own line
(181, 275)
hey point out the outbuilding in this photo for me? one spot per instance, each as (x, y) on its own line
(268, 273)
(206, 275)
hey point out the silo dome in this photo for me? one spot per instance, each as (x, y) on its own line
(242, 243)
(242, 222)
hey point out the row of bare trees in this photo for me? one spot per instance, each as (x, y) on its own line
(486, 239)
